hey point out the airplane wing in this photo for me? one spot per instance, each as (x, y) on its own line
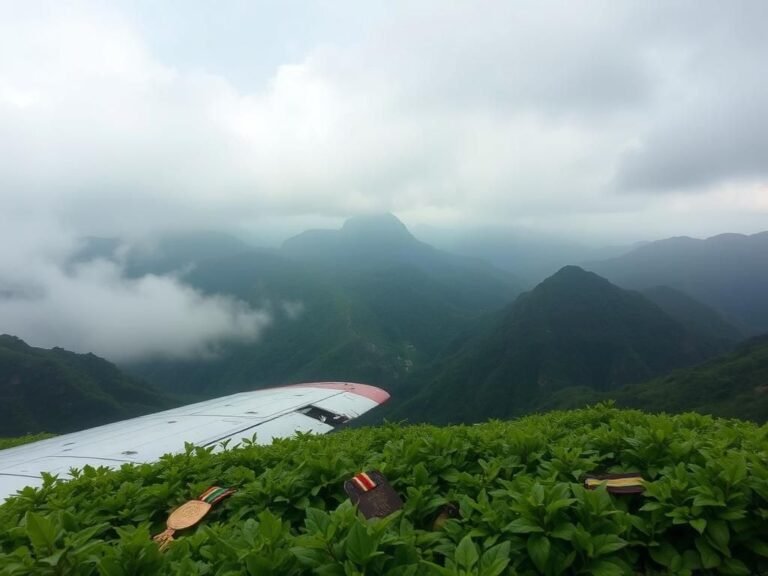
(269, 413)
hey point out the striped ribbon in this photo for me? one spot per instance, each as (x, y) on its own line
(215, 494)
(364, 482)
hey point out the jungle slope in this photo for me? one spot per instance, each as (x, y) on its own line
(60, 391)
(573, 329)
(734, 385)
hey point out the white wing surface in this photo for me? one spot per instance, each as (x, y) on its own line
(270, 413)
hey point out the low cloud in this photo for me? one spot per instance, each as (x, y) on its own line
(93, 307)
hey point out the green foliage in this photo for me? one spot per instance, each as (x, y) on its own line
(734, 385)
(696, 317)
(522, 508)
(61, 391)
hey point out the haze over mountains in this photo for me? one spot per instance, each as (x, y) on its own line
(367, 302)
(452, 337)
(728, 272)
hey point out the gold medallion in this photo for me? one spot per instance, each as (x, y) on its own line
(188, 514)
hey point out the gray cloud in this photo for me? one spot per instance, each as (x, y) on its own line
(706, 144)
(704, 129)
(540, 114)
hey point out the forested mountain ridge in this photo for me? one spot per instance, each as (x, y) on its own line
(368, 302)
(60, 391)
(697, 318)
(573, 329)
(734, 385)
(728, 272)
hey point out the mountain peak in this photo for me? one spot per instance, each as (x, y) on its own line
(381, 225)
(367, 238)
(571, 271)
(574, 276)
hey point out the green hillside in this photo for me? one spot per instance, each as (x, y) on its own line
(734, 385)
(374, 304)
(699, 319)
(517, 485)
(573, 329)
(59, 391)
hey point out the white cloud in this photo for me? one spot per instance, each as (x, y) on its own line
(535, 113)
(92, 307)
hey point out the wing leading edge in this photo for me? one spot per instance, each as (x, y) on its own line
(270, 413)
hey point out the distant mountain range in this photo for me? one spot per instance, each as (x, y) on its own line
(529, 255)
(728, 272)
(573, 329)
(59, 391)
(450, 336)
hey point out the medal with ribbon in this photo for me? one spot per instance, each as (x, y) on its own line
(190, 513)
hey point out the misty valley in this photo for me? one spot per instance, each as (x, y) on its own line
(452, 338)
(575, 372)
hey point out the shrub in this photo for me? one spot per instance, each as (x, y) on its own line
(522, 507)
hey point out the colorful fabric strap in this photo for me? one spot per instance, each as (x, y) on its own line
(215, 494)
(364, 482)
(190, 513)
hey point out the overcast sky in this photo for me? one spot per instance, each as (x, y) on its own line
(606, 121)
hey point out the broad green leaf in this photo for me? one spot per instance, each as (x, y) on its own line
(523, 526)
(709, 558)
(699, 524)
(538, 549)
(41, 531)
(360, 544)
(466, 553)
(605, 568)
(607, 543)
(719, 536)
(495, 560)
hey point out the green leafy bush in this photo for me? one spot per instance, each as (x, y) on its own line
(517, 485)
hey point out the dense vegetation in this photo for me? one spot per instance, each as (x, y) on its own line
(59, 391)
(697, 318)
(573, 329)
(734, 385)
(517, 484)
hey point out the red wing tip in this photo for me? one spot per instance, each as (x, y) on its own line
(371, 392)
